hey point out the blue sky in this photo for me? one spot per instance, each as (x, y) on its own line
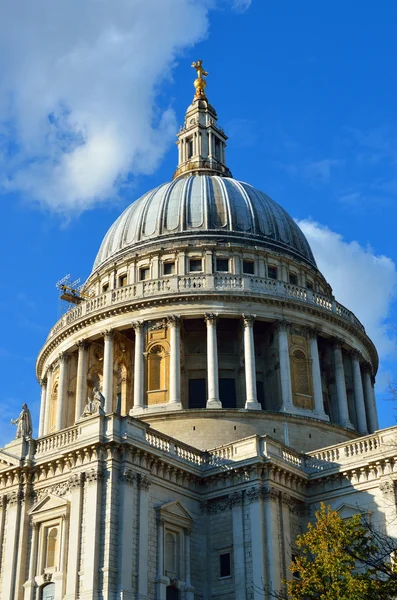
(91, 95)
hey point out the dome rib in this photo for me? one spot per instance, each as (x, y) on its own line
(205, 205)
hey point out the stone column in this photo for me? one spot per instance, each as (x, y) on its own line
(81, 383)
(210, 144)
(359, 395)
(285, 368)
(93, 499)
(61, 400)
(143, 538)
(108, 367)
(43, 400)
(30, 584)
(257, 542)
(175, 363)
(138, 366)
(189, 590)
(238, 546)
(272, 558)
(316, 378)
(251, 401)
(372, 418)
(341, 386)
(48, 401)
(127, 522)
(76, 483)
(161, 581)
(213, 400)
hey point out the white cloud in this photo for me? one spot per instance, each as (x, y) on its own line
(362, 281)
(321, 169)
(79, 87)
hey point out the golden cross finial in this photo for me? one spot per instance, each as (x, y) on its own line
(200, 82)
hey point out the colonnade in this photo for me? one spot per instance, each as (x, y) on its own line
(366, 415)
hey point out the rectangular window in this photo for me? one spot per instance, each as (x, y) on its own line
(105, 287)
(195, 264)
(293, 278)
(122, 280)
(224, 565)
(249, 267)
(190, 148)
(272, 272)
(144, 273)
(309, 284)
(169, 268)
(222, 264)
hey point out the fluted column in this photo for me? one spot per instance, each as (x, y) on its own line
(359, 394)
(285, 368)
(341, 386)
(61, 400)
(372, 419)
(48, 401)
(138, 366)
(316, 378)
(175, 362)
(81, 383)
(108, 367)
(213, 400)
(43, 401)
(251, 402)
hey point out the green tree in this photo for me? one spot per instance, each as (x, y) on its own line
(343, 559)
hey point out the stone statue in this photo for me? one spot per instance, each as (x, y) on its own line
(200, 82)
(95, 404)
(23, 423)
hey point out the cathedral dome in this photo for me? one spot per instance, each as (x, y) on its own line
(206, 206)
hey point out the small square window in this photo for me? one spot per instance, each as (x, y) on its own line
(144, 273)
(293, 278)
(169, 268)
(105, 287)
(224, 565)
(195, 264)
(272, 272)
(122, 280)
(222, 264)
(249, 267)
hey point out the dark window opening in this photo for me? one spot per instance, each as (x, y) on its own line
(222, 264)
(224, 565)
(169, 268)
(190, 148)
(105, 287)
(309, 285)
(249, 267)
(122, 280)
(144, 273)
(217, 148)
(227, 393)
(293, 278)
(260, 393)
(195, 264)
(172, 593)
(197, 393)
(272, 272)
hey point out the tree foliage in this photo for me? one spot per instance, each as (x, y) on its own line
(343, 560)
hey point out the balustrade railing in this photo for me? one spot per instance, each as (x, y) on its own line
(192, 283)
(53, 442)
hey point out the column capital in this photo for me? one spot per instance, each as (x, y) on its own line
(137, 325)
(337, 343)
(63, 357)
(356, 355)
(312, 332)
(367, 367)
(144, 482)
(248, 320)
(82, 344)
(210, 318)
(43, 381)
(107, 334)
(174, 320)
(282, 325)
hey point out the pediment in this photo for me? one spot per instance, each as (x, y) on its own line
(7, 460)
(174, 512)
(346, 511)
(50, 503)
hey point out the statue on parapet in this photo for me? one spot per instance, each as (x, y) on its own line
(23, 423)
(95, 404)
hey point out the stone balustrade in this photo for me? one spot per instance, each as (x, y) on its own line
(53, 442)
(185, 284)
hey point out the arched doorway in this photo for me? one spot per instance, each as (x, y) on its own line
(48, 592)
(172, 593)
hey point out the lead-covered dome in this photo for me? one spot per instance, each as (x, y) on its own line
(205, 206)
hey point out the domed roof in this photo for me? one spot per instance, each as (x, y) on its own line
(205, 206)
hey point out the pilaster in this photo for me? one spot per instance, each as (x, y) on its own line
(76, 485)
(143, 536)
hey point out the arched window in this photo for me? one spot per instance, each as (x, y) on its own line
(51, 547)
(301, 376)
(156, 368)
(48, 592)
